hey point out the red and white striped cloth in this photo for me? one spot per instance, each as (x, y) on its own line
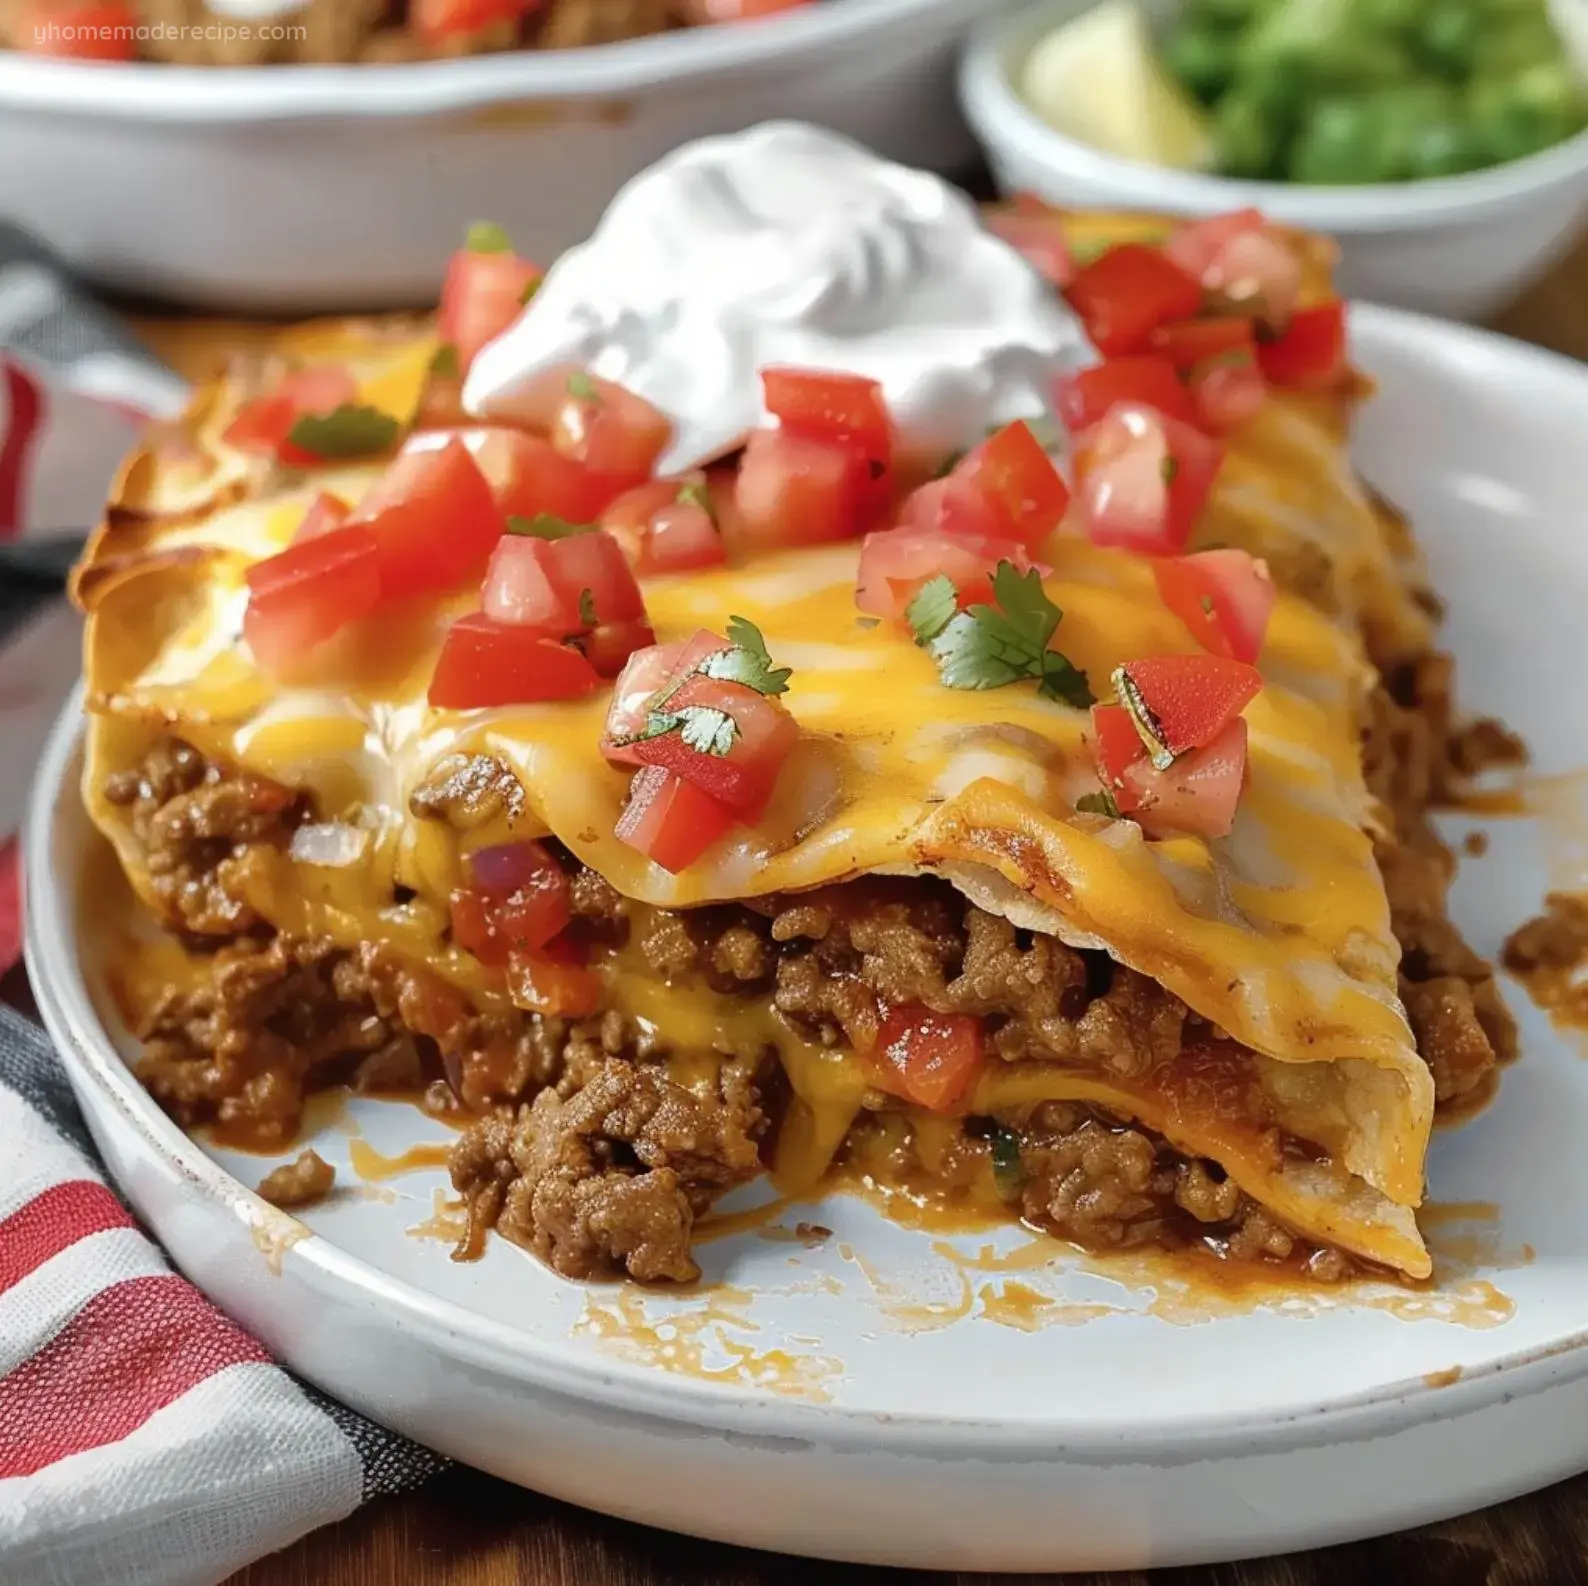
(145, 1439)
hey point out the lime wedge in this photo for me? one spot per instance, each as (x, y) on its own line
(1098, 80)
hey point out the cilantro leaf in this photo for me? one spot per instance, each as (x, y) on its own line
(580, 385)
(746, 660)
(1100, 803)
(932, 608)
(1064, 681)
(445, 365)
(587, 608)
(951, 462)
(485, 236)
(706, 730)
(547, 526)
(703, 728)
(530, 290)
(693, 493)
(348, 432)
(989, 646)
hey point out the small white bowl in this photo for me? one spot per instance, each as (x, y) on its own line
(322, 188)
(1460, 246)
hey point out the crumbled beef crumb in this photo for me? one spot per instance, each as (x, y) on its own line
(468, 791)
(609, 1179)
(1462, 1026)
(1549, 955)
(301, 1182)
(208, 836)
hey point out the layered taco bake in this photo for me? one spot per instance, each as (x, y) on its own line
(822, 682)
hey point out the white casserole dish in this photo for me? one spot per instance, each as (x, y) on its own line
(301, 189)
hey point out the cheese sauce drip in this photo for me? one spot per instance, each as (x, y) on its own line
(788, 245)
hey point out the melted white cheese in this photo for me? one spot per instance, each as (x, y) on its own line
(789, 245)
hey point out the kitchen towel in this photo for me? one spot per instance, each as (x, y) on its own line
(145, 1439)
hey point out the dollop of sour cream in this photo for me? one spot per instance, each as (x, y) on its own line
(789, 245)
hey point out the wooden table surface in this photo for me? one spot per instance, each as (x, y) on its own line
(466, 1529)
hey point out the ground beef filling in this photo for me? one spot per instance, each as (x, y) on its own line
(303, 1181)
(582, 1147)
(1414, 757)
(1550, 954)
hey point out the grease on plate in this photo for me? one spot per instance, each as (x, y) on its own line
(448, 1221)
(371, 1166)
(711, 1337)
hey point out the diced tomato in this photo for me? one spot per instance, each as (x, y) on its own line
(670, 820)
(742, 779)
(1143, 477)
(665, 527)
(541, 984)
(1116, 746)
(895, 563)
(472, 929)
(827, 405)
(500, 663)
(520, 588)
(87, 30)
(264, 424)
(307, 593)
(1083, 398)
(953, 506)
(795, 490)
(608, 645)
(1224, 597)
(1311, 352)
(528, 476)
(593, 563)
(1182, 702)
(701, 13)
(483, 293)
(439, 20)
(441, 403)
(1198, 794)
(594, 422)
(1228, 392)
(1017, 476)
(1040, 238)
(646, 673)
(1242, 261)
(928, 1058)
(518, 902)
(544, 583)
(1194, 341)
(433, 516)
(1197, 243)
(530, 916)
(326, 512)
(1127, 293)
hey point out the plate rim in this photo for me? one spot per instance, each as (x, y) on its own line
(561, 1367)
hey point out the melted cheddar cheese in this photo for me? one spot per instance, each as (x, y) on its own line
(1279, 934)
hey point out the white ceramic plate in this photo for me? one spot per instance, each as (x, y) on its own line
(883, 1396)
